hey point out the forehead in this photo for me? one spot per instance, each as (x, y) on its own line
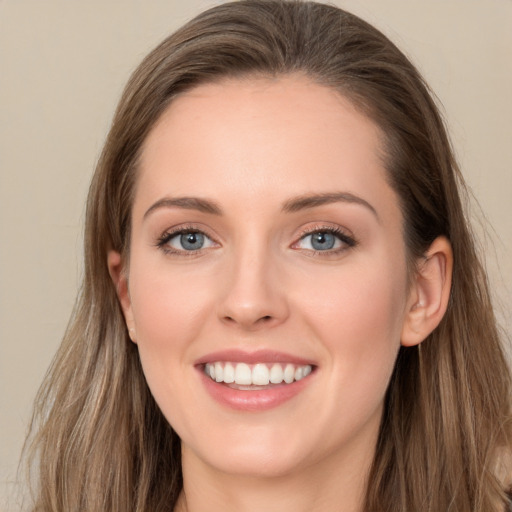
(261, 136)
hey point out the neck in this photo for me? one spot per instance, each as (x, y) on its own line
(331, 485)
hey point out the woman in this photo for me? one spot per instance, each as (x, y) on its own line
(282, 305)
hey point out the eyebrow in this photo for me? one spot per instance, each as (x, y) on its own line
(313, 200)
(188, 203)
(293, 205)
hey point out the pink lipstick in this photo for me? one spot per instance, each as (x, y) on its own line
(254, 381)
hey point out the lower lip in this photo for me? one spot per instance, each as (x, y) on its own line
(257, 400)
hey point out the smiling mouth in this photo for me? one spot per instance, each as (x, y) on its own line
(250, 377)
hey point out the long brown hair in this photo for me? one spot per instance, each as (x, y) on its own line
(99, 438)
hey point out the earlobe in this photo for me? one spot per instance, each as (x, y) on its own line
(430, 292)
(118, 275)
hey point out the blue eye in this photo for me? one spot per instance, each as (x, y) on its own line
(322, 241)
(191, 241)
(185, 241)
(325, 240)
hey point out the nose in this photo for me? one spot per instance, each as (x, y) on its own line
(253, 296)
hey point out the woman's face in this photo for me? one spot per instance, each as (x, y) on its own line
(267, 282)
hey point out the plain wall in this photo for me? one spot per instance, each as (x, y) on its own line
(63, 65)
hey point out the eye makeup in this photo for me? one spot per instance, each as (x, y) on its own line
(191, 240)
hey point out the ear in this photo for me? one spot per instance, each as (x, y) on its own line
(429, 294)
(117, 271)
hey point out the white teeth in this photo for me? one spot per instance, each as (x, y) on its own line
(289, 373)
(276, 374)
(219, 372)
(259, 374)
(229, 373)
(243, 374)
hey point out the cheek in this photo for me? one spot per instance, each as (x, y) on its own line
(169, 313)
(167, 305)
(358, 315)
(361, 299)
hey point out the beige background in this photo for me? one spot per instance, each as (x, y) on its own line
(62, 67)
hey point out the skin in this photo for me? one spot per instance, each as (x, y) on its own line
(251, 147)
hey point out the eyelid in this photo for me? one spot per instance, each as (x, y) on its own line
(342, 234)
(163, 240)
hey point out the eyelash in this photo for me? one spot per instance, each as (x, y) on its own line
(163, 241)
(347, 241)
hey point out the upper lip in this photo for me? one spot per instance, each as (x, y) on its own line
(257, 356)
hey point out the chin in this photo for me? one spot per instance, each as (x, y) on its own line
(256, 464)
(256, 453)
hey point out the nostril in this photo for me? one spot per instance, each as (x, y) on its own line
(262, 320)
(249, 319)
